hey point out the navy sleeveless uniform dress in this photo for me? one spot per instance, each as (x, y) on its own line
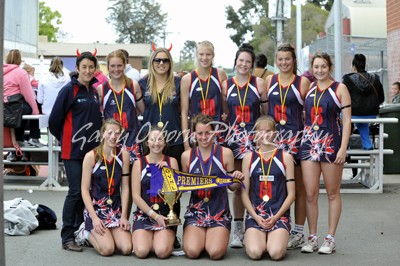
(110, 215)
(214, 212)
(129, 118)
(275, 188)
(213, 106)
(322, 144)
(140, 219)
(290, 134)
(240, 139)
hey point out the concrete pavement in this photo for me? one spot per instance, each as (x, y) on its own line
(368, 234)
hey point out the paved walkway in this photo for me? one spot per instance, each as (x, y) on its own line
(368, 234)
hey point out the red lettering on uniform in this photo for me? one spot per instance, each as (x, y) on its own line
(208, 108)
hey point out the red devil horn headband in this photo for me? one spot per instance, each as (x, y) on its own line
(153, 46)
(78, 54)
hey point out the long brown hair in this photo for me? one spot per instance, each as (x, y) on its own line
(56, 67)
(98, 151)
(169, 87)
(14, 57)
(119, 54)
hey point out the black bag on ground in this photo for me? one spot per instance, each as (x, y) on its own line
(13, 111)
(47, 217)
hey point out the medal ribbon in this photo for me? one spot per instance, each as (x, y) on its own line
(209, 164)
(269, 166)
(119, 107)
(202, 91)
(242, 104)
(316, 105)
(109, 178)
(283, 101)
(160, 103)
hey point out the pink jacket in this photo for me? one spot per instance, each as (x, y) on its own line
(16, 80)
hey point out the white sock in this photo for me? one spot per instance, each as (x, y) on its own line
(86, 234)
(298, 229)
(330, 237)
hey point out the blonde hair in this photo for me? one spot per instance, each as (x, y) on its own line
(28, 68)
(98, 151)
(169, 87)
(265, 119)
(206, 44)
(119, 54)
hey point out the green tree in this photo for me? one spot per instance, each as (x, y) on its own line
(188, 51)
(326, 4)
(48, 22)
(137, 21)
(252, 18)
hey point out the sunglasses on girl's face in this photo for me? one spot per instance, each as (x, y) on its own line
(159, 60)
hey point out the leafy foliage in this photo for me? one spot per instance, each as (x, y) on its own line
(252, 19)
(326, 4)
(48, 22)
(137, 21)
(189, 50)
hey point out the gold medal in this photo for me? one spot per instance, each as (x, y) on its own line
(206, 199)
(160, 124)
(316, 127)
(156, 206)
(282, 122)
(265, 198)
(109, 201)
(242, 124)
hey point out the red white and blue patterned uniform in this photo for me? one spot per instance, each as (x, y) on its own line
(129, 118)
(289, 135)
(240, 139)
(213, 105)
(216, 211)
(110, 215)
(140, 219)
(275, 188)
(323, 144)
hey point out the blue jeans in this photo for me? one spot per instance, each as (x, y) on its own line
(363, 129)
(72, 216)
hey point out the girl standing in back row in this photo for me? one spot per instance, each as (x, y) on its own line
(323, 148)
(201, 89)
(246, 98)
(286, 93)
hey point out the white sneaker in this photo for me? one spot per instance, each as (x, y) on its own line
(80, 236)
(311, 245)
(238, 235)
(328, 246)
(296, 241)
(35, 142)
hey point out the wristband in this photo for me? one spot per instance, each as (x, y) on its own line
(141, 97)
(150, 213)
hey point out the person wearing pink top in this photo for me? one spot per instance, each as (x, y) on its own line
(16, 80)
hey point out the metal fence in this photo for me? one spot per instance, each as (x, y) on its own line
(374, 49)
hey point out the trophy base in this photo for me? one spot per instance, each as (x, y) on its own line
(173, 222)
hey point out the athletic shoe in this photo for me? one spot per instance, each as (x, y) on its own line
(311, 245)
(80, 236)
(296, 241)
(35, 143)
(11, 157)
(237, 238)
(177, 243)
(328, 246)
